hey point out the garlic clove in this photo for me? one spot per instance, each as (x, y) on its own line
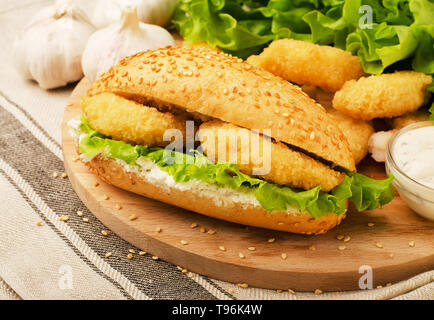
(49, 48)
(108, 12)
(128, 36)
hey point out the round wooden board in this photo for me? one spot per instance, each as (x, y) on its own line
(326, 267)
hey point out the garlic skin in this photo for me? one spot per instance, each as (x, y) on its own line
(49, 48)
(158, 12)
(108, 46)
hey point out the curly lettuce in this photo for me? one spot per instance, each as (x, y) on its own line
(366, 193)
(401, 31)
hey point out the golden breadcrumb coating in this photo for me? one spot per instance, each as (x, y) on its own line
(357, 133)
(310, 64)
(129, 121)
(381, 96)
(288, 167)
(202, 80)
(409, 118)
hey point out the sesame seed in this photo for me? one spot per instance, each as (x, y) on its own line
(231, 290)
(132, 217)
(96, 184)
(340, 237)
(271, 240)
(379, 287)
(130, 256)
(106, 197)
(291, 291)
(347, 238)
(80, 213)
(242, 256)
(379, 245)
(243, 285)
(391, 255)
(411, 244)
(55, 174)
(342, 248)
(251, 248)
(179, 268)
(203, 230)
(39, 223)
(184, 271)
(105, 232)
(279, 291)
(64, 175)
(211, 231)
(318, 291)
(312, 135)
(158, 229)
(193, 225)
(63, 218)
(155, 258)
(370, 224)
(222, 248)
(142, 253)
(85, 219)
(108, 254)
(312, 248)
(388, 284)
(283, 256)
(184, 242)
(118, 206)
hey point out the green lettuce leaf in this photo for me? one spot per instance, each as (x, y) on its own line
(366, 193)
(401, 29)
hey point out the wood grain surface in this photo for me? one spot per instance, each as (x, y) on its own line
(327, 267)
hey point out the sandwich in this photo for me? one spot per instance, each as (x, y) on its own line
(183, 125)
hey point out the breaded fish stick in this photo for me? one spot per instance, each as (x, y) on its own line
(310, 64)
(381, 96)
(288, 167)
(357, 133)
(409, 118)
(126, 120)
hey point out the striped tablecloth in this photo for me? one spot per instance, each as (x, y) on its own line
(66, 260)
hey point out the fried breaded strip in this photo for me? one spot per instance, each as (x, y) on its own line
(288, 167)
(409, 118)
(199, 79)
(385, 95)
(310, 64)
(357, 133)
(129, 121)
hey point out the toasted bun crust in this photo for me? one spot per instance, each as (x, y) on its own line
(199, 79)
(297, 222)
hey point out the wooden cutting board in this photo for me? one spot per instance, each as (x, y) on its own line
(327, 267)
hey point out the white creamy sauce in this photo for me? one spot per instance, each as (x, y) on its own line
(413, 153)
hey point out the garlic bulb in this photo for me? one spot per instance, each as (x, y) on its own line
(157, 12)
(50, 46)
(108, 46)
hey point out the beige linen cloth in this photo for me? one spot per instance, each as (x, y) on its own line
(66, 260)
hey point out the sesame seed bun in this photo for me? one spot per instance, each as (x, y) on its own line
(292, 221)
(214, 84)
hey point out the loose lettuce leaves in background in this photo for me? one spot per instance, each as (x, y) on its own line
(401, 29)
(366, 193)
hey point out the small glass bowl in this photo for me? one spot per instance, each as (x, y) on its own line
(418, 197)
